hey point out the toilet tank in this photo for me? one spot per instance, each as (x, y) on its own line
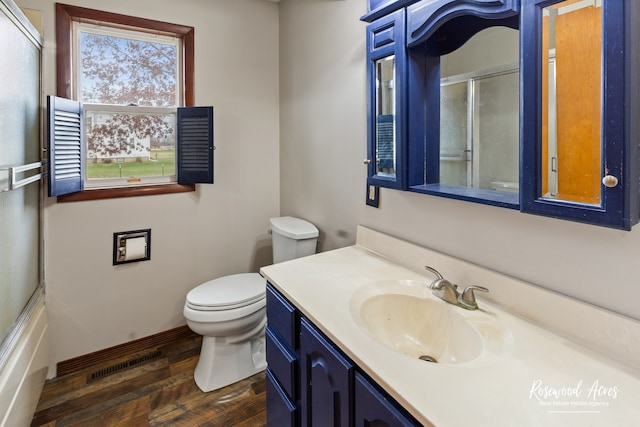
(292, 238)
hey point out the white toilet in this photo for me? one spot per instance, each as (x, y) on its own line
(230, 312)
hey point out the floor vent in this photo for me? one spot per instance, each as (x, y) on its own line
(123, 366)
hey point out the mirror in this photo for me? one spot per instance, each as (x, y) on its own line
(479, 112)
(385, 107)
(571, 101)
(525, 105)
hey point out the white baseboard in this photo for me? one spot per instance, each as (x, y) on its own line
(24, 368)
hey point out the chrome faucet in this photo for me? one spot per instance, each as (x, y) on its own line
(447, 291)
(442, 288)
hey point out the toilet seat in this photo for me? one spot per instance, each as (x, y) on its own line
(227, 293)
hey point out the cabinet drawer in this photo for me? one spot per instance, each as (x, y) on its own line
(283, 363)
(282, 412)
(282, 317)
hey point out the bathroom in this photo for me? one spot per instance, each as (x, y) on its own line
(287, 80)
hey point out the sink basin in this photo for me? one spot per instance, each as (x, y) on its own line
(419, 327)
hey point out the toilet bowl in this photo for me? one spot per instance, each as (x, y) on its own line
(230, 312)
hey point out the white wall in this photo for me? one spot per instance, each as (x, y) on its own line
(217, 230)
(323, 143)
(322, 116)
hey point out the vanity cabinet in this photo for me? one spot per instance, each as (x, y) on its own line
(310, 382)
(571, 97)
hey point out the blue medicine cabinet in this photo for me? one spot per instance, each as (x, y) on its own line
(523, 104)
(386, 119)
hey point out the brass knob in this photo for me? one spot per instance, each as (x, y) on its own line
(610, 181)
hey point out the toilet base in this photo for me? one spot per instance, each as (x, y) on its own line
(222, 363)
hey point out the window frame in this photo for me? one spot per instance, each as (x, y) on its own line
(65, 16)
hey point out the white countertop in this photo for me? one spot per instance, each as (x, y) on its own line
(528, 376)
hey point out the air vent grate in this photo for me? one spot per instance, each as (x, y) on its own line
(123, 366)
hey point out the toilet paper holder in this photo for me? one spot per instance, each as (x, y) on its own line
(131, 246)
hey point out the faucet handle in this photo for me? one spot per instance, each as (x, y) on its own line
(442, 283)
(469, 297)
(434, 271)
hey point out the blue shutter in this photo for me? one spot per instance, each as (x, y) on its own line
(65, 146)
(195, 145)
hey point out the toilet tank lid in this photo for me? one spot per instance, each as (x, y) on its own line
(294, 228)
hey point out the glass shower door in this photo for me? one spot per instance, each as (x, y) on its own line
(20, 154)
(479, 131)
(455, 135)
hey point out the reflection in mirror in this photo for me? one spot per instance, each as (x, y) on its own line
(479, 112)
(571, 87)
(385, 117)
(455, 145)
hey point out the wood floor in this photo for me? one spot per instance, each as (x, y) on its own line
(150, 388)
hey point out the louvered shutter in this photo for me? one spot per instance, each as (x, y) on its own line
(65, 146)
(195, 145)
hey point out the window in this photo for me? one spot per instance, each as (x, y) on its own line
(130, 76)
(127, 82)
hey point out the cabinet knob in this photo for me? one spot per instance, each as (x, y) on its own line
(610, 181)
(367, 161)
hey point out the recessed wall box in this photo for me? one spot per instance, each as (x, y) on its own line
(131, 246)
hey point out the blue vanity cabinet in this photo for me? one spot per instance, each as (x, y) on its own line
(326, 380)
(312, 383)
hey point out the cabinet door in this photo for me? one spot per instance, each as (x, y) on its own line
(327, 378)
(386, 112)
(579, 138)
(374, 409)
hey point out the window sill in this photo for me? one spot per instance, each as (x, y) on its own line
(112, 193)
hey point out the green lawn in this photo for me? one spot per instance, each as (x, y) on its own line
(162, 163)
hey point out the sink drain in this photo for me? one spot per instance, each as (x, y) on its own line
(428, 358)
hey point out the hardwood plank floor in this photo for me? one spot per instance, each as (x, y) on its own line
(151, 388)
